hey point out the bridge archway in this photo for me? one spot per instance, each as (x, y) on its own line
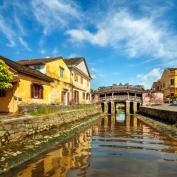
(102, 107)
(131, 107)
(109, 107)
(138, 106)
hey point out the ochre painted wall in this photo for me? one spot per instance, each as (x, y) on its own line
(81, 87)
(165, 82)
(60, 84)
(20, 93)
(53, 70)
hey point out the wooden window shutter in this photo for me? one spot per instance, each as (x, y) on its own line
(42, 92)
(32, 92)
(62, 97)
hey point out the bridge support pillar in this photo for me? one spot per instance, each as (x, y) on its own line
(135, 105)
(127, 107)
(113, 110)
(105, 107)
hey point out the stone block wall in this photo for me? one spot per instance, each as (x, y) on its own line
(164, 115)
(13, 130)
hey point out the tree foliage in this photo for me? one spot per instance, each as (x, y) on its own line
(5, 76)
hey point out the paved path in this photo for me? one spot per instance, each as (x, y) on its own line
(168, 107)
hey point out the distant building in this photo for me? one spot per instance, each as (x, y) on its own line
(167, 83)
(152, 98)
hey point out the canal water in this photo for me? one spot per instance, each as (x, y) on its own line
(117, 146)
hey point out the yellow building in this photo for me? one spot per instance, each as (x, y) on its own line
(28, 86)
(48, 81)
(80, 80)
(58, 70)
(156, 86)
(168, 82)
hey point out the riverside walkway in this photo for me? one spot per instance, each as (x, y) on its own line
(167, 107)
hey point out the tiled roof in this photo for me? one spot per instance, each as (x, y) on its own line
(172, 69)
(40, 61)
(73, 61)
(70, 62)
(25, 70)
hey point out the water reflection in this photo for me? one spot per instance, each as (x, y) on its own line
(118, 146)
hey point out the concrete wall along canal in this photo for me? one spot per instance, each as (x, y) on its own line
(163, 115)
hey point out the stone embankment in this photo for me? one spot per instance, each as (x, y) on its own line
(166, 115)
(27, 136)
(166, 129)
(12, 130)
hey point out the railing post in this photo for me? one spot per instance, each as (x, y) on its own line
(127, 107)
(135, 107)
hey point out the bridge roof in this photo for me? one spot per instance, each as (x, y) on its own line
(119, 89)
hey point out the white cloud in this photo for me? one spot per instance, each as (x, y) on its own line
(6, 30)
(19, 25)
(148, 78)
(54, 13)
(135, 36)
(55, 52)
(24, 43)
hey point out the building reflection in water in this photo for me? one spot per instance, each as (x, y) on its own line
(60, 162)
(114, 137)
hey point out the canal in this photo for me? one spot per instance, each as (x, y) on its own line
(117, 146)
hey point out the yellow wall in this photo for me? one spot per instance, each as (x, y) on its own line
(53, 70)
(81, 87)
(20, 93)
(165, 82)
(60, 84)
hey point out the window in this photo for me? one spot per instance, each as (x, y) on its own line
(83, 95)
(172, 81)
(88, 96)
(172, 94)
(76, 77)
(81, 80)
(87, 83)
(163, 85)
(61, 72)
(37, 67)
(36, 91)
(2, 93)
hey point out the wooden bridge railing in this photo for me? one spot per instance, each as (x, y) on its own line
(120, 98)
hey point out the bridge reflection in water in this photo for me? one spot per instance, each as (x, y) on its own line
(117, 146)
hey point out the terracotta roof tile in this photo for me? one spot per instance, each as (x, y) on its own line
(26, 70)
(40, 61)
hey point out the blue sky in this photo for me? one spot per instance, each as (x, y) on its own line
(127, 41)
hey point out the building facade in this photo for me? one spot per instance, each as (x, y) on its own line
(80, 80)
(28, 86)
(167, 83)
(59, 72)
(46, 81)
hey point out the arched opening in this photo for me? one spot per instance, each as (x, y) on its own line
(109, 108)
(102, 107)
(138, 106)
(131, 107)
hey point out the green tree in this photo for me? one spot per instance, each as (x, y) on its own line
(5, 76)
